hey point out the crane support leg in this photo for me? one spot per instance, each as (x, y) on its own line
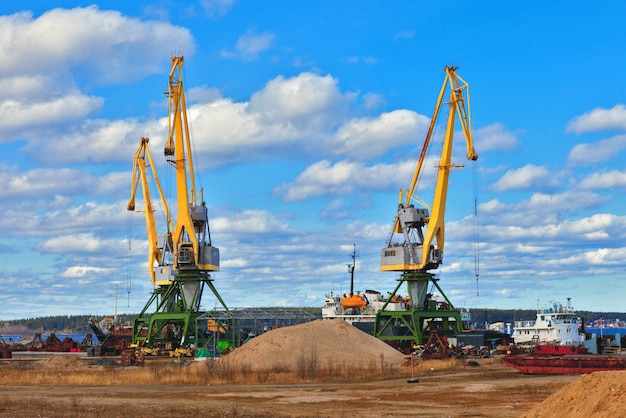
(172, 323)
(413, 326)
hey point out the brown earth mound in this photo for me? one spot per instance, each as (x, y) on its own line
(598, 395)
(329, 343)
(63, 362)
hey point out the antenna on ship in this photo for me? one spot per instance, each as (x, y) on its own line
(115, 304)
(351, 270)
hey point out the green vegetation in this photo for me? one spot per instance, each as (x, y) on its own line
(58, 323)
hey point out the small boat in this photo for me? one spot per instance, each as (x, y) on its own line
(556, 325)
(556, 359)
(356, 307)
(359, 309)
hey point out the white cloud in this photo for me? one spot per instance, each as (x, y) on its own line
(599, 222)
(234, 263)
(307, 101)
(99, 141)
(31, 86)
(607, 180)
(250, 45)
(494, 137)
(216, 8)
(41, 56)
(569, 201)
(203, 94)
(76, 243)
(15, 115)
(599, 119)
(343, 177)
(289, 116)
(529, 177)
(336, 209)
(110, 46)
(43, 182)
(369, 137)
(110, 218)
(301, 115)
(607, 256)
(597, 152)
(540, 211)
(84, 271)
(371, 100)
(249, 222)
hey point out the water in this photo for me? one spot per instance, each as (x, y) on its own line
(606, 331)
(28, 338)
(12, 338)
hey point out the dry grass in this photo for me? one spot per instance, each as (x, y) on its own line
(426, 365)
(309, 368)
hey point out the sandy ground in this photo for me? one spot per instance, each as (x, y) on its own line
(489, 390)
(448, 388)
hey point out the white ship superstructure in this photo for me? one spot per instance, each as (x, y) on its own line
(557, 324)
(358, 307)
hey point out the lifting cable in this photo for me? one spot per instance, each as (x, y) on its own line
(476, 226)
(129, 229)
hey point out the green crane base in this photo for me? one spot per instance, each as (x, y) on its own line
(404, 329)
(407, 328)
(173, 323)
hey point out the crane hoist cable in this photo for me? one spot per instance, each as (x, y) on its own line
(476, 227)
(129, 267)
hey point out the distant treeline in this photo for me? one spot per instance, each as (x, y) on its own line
(60, 323)
(78, 323)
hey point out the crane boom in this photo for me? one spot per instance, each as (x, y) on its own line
(418, 227)
(159, 247)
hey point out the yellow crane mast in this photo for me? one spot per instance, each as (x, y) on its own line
(417, 239)
(191, 238)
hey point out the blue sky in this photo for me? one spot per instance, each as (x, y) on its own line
(307, 118)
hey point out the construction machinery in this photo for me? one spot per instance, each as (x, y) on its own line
(159, 247)
(416, 243)
(180, 259)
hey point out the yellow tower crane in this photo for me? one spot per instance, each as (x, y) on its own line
(416, 242)
(181, 259)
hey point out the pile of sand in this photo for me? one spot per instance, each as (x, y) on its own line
(329, 343)
(597, 395)
(63, 362)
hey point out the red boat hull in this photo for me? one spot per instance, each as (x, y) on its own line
(565, 364)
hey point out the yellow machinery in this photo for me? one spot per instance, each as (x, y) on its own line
(180, 259)
(416, 243)
(160, 247)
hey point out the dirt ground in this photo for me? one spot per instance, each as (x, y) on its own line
(354, 375)
(488, 390)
